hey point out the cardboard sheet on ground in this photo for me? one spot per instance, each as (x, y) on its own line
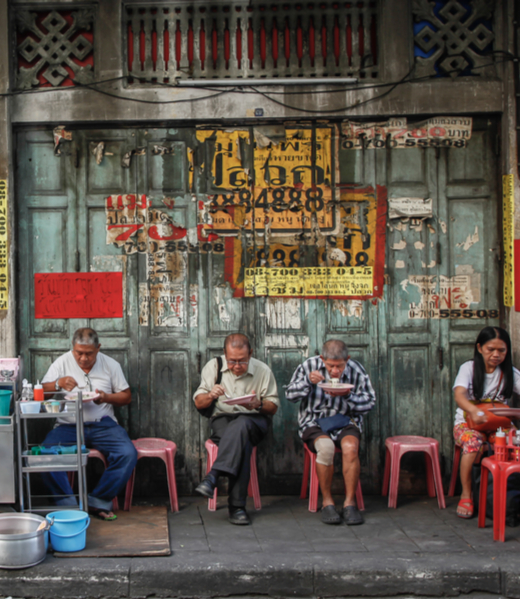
(143, 531)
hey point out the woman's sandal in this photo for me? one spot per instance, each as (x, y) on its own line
(466, 503)
(96, 512)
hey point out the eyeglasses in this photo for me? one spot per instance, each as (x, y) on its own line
(234, 363)
(88, 384)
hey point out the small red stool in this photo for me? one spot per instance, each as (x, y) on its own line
(401, 444)
(309, 465)
(157, 448)
(253, 489)
(501, 471)
(95, 454)
(454, 470)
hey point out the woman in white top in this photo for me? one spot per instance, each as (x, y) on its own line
(489, 375)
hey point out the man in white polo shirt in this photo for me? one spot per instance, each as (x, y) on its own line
(85, 368)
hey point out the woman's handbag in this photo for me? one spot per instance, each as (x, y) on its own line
(493, 421)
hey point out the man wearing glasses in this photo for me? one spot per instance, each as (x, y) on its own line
(236, 428)
(86, 369)
(332, 418)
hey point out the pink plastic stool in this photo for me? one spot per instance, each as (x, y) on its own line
(156, 448)
(309, 465)
(501, 471)
(253, 489)
(95, 454)
(399, 445)
(454, 470)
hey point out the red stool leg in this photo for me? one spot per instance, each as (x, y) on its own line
(482, 502)
(386, 476)
(454, 471)
(499, 505)
(433, 453)
(430, 485)
(395, 466)
(359, 497)
(254, 488)
(129, 492)
(212, 457)
(306, 469)
(314, 487)
(170, 474)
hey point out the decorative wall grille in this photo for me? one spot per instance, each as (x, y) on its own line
(54, 48)
(244, 39)
(453, 37)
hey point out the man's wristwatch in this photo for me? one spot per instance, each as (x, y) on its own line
(57, 385)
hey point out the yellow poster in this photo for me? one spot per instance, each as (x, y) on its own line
(509, 236)
(4, 282)
(309, 281)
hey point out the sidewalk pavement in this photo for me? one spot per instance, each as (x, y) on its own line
(414, 550)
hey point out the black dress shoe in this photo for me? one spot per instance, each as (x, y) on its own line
(238, 516)
(207, 487)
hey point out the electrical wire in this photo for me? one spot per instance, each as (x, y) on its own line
(508, 56)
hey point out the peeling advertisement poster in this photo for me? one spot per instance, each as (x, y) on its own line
(309, 282)
(446, 132)
(443, 297)
(360, 242)
(291, 183)
(4, 248)
(418, 208)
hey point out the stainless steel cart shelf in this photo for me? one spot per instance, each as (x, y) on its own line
(78, 466)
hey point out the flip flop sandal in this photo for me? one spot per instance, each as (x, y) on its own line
(96, 512)
(468, 505)
(330, 516)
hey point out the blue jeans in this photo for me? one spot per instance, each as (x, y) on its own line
(113, 442)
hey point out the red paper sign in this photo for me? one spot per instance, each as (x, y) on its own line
(78, 295)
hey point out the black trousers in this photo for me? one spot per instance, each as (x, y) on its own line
(235, 436)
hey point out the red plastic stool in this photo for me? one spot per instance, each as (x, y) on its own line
(156, 448)
(501, 471)
(253, 489)
(309, 465)
(95, 454)
(454, 470)
(401, 444)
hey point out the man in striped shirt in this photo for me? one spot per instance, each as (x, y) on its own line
(333, 418)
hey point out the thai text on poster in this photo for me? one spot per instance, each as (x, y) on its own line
(448, 132)
(509, 236)
(4, 248)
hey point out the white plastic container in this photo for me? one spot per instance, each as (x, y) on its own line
(30, 407)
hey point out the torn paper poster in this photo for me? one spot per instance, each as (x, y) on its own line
(98, 150)
(144, 304)
(410, 207)
(469, 241)
(60, 134)
(127, 158)
(438, 293)
(445, 132)
(168, 304)
(283, 313)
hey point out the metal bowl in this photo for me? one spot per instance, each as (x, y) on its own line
(21, 543)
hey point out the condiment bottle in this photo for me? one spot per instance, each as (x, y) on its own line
(500, 445)
(30, 394)
(38, 392)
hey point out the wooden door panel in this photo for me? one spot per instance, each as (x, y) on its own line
(410, 389)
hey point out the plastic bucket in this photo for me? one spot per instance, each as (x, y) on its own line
(5, 402)
(69, 530)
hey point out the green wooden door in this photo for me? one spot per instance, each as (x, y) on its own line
(76, 214)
